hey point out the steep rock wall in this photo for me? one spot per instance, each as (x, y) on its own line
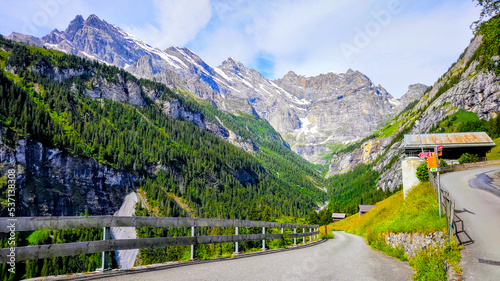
(54, 182)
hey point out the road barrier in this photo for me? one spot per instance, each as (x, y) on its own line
(452, 219)
(107, 244)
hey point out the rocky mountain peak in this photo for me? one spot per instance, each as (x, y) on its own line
(311, 113)
(351, 72)
(291, 76)
(231, 61)
(417, 86)
(415, 92)
(73, 27)
(95, 21)
(26, 39)
(233, 65)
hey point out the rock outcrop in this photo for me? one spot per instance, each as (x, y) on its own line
(414, 93)
(368, 153)
(474, 90)
(54, 182)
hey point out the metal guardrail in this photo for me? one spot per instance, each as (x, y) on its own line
(449, 207)
(106, 245)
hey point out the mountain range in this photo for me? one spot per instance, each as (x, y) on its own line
(91, 115)
(331, 118)
(312, 114)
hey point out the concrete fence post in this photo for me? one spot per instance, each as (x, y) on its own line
(310, 236)
(193, 247)
(295, 238)
(236, 249)
(105, 255)
(303, 237)
(263, 240)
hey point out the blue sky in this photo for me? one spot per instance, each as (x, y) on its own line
(394, 42)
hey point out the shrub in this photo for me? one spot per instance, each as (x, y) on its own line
(468, 158)
(422, 172)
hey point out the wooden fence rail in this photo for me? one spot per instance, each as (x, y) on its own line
(106, 245)
(52, 223)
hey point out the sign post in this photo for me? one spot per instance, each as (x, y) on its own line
(438, 148)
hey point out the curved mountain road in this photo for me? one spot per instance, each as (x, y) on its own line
(477, 203)
(347, 257)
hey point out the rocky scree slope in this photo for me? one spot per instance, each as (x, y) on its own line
(311, 113)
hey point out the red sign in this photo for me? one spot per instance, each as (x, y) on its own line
(439, 148)
(425, 154)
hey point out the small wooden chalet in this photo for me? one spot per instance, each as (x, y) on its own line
(338, 216)
(365, 208)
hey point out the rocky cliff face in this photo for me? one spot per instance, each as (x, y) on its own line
(311, 113)
(54, 182)
(342, 108)
(476, 91)
(414, 93)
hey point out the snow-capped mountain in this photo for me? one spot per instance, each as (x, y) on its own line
(311, 113)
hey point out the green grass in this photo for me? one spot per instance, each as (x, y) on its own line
(332, 149)
(14, 77)
(43, 51)
(390, 129)
(3, 57)
(454, 122)
(418, 213)
(495, 151)
(39, 237)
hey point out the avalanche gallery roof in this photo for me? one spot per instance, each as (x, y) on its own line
(448, 140)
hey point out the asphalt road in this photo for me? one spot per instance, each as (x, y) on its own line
(347, 257)
(477, 203)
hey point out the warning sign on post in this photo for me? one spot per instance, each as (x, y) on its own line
(432, 162)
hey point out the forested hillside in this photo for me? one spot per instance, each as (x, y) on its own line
(171, 156)
(184, 169)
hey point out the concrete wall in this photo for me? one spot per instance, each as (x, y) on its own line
(409, 170)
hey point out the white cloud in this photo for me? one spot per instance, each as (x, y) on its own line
(38, 17)
(177, 22)
(417, 43)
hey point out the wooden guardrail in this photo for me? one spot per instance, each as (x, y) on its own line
(9, 225)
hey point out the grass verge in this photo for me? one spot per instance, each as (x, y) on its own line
(418, 213)
(495, 151)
